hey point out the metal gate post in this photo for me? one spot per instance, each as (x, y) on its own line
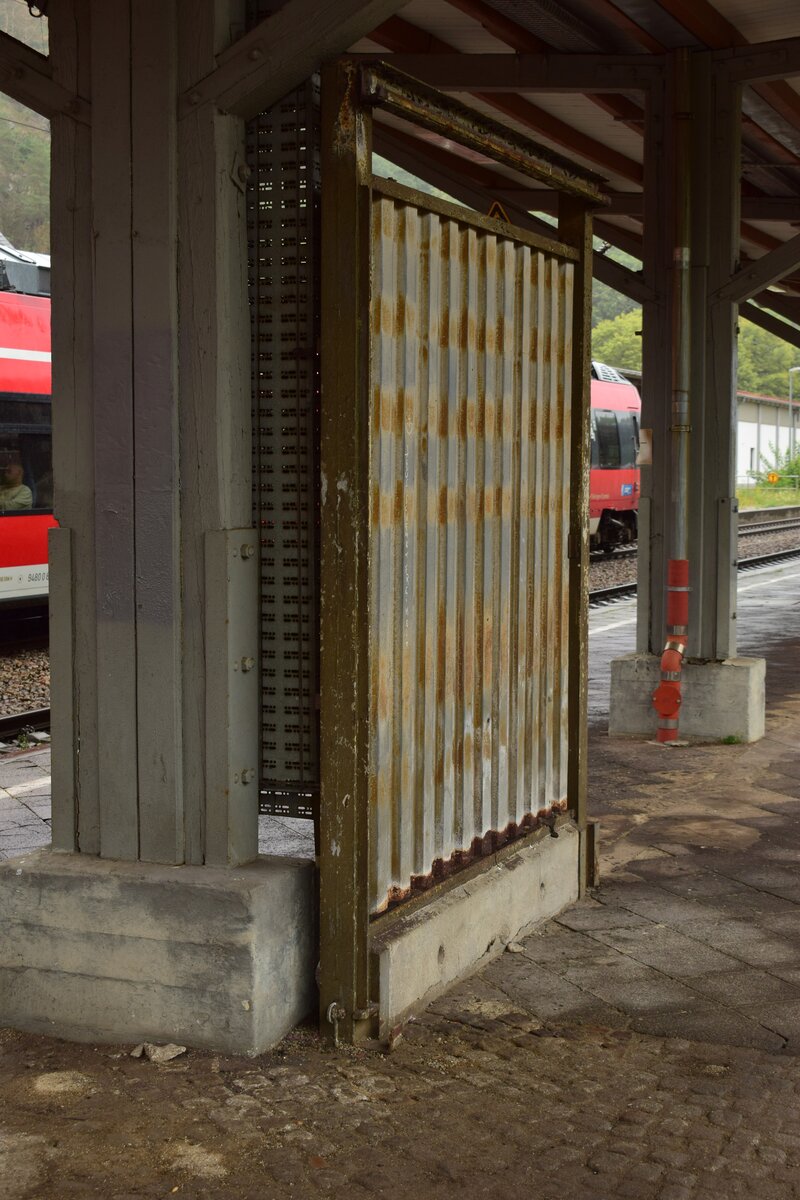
(575, 229)
(344, 620)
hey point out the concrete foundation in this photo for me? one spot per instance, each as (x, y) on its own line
(428, 950)
(720, 699)
(102, 951)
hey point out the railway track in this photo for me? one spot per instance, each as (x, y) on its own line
(599, 597)
(35, 721)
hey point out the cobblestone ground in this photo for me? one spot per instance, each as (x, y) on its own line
(646, 1044)
(642, 1045)
(487, 1106)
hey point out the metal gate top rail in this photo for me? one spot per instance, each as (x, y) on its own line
(385, 87)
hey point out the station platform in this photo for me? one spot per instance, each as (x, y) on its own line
(643, 1044)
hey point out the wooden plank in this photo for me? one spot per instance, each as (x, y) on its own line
(760, 61)
(344, 623)
(530, 73)
(76, 818)
(215, 439)
(28, 77)
(768, 269)
(773, 324)
(716, 172)
(575, 228)
(113, 431)
(656, 377)
(63, 783)
(155, 431)
(282, 51)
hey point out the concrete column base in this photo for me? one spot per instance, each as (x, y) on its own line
(104, 951)
(720, 699)
(427, 950)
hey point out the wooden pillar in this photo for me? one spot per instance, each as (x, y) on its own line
(154, 570)
(715, 184)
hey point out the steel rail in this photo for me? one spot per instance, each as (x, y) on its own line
(37, 719)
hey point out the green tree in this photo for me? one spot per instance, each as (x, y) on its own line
(764, 361)
(25, 178)
(617, 342)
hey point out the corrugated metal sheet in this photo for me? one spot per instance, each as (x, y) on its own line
(469, 507)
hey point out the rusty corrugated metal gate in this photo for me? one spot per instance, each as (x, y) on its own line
(469, 478)
(455, 376)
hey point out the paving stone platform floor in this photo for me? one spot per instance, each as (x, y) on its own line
(644, 1044)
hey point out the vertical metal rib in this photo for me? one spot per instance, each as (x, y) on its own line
(469, 510)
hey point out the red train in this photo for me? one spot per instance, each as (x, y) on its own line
(614, 477)
(26, 481)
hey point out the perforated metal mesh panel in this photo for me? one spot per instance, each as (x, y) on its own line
(282, 225)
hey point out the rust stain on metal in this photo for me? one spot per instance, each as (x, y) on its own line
(469, 508)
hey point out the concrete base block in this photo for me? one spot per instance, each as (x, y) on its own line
(103, 951)
(720, 699)
(429, 949)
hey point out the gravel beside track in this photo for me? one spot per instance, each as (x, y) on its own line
(24, 681)
(25, 674)
(608, 572)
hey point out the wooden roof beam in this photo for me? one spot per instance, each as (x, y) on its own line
(281, 51)
(399, 36)
(709, 26)
(27, 77)
(545, 72)
(761, 61)
(756, 276)
(765, 320)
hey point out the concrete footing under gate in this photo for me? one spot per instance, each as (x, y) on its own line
(720, 699)
(427, 950)
(107, 951)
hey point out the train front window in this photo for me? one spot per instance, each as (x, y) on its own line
(608, 441)
(26, 477)
(628, 438)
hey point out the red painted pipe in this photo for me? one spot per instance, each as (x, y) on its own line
(667, 696)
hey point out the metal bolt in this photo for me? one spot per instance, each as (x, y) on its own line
(194, 97)
(248, 663)
(248, 775)
(248, 550)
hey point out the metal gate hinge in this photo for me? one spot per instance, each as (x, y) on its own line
(336, 1012)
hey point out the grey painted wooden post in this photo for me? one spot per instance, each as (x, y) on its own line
(154, 585)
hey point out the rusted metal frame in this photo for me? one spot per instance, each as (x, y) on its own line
(478, 186)
(750, 280)
(575, 228)
(344, 578)
(547, 72)
(759, 60)
(772, 324)
(27, 76)
(383, 922)
(400, 36)
(453, 212)
(413, 101)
